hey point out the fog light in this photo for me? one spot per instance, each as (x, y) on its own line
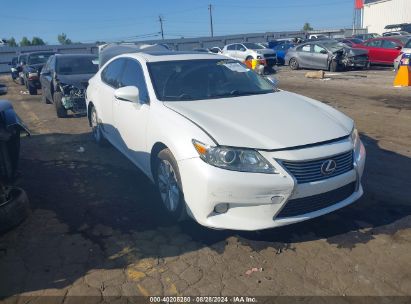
(276, 199)
(221, 208)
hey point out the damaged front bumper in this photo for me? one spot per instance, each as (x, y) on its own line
(73, 99)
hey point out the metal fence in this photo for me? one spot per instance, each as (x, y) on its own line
(182, 44)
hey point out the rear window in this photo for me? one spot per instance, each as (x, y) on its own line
(38, 58)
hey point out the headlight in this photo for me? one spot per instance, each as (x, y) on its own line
(235, 159)
(355, 139)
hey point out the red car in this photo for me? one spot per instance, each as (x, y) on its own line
(352, 42)
(384, 50)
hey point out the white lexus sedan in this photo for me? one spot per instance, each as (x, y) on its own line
(221, 144)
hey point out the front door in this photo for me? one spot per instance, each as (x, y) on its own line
(131, 117)
(319, 57)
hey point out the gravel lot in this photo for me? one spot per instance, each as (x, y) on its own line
(96, 226)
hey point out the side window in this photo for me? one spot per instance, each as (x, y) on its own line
(133, 76)
(112, 72)
(374, 43)
(231, 47)
(318, 49)
(241, 48)
(305, 48)
(388, 44)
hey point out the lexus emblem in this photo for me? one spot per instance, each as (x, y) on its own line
(328, 167)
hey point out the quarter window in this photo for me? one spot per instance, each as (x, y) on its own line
(306, 48)
(111, 74)
(133, 76)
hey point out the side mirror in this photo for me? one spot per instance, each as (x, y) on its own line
(398, 47)
(129, 93)
(323, 52)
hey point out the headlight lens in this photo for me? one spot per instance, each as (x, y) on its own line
(355, 139)
(235, 159)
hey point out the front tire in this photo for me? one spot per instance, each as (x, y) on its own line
(60, 109)
(168, 182)
(293, 63)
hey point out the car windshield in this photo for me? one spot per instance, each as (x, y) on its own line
(205, 79)
(72, 65)
(253, 46)
(38, 58)
(333, 45)
(356, 40)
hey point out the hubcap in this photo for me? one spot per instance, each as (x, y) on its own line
(94, 125)
(168, 187)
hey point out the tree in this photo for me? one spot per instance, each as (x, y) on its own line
(37, 41)
(12, 42)
(307, 27)
(62, 38)
(25, 41)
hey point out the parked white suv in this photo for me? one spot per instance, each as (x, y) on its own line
(248, 50)
(221, 143)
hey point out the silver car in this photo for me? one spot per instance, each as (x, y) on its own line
(248, 50)
(326, 55)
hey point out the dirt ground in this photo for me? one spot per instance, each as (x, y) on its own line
(97, 229)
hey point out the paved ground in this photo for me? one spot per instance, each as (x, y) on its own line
(97, 228)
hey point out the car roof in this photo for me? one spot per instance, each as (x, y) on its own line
(157, 56)
(41, 52)
(76, 55)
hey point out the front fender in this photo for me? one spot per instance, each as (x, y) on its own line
(10, 117)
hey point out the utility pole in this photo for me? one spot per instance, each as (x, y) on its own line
(211, 20)
(161, 26)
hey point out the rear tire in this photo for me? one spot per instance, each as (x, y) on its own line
(293, 63)
(96, 128)
(60, 110)
(168, 182)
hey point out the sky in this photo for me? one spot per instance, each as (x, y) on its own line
(131, 20)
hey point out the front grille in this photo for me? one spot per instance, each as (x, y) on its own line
(310, 171)
(300, 206)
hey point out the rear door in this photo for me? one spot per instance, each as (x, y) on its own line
(231, 51)
(110, 81)
(46, 78)
(304, 56)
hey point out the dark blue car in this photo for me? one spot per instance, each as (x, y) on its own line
(281, 50)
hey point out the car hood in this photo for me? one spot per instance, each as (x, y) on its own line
(351, 52)
(270, 121)
(79, 81)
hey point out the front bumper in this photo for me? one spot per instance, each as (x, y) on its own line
(255, 199)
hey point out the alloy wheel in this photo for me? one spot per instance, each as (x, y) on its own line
(168, 185)
(95, 127)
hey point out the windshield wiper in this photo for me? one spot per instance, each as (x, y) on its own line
(183, 96)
